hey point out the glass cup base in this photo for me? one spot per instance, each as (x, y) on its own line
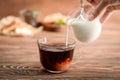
(55, 72)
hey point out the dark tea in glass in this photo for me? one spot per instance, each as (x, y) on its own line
(55, 56)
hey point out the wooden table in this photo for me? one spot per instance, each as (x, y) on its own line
(19, 57)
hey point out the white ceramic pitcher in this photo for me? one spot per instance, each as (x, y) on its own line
(84, 30)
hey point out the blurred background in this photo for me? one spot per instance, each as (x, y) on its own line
(45, 7)
(12, 7)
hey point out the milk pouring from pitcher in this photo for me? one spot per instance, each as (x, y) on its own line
(85, 31)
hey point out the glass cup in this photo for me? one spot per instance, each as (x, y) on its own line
(55, 56)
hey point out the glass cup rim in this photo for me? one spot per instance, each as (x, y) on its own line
(72, 43)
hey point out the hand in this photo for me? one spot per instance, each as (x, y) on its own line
(100, 5)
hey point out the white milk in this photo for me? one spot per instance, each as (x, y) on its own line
(67, 35)
(85, 31)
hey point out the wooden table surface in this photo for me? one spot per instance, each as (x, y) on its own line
(19, 57)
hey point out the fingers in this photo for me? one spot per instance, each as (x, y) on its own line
(91, 1)
(109, 11)
(102, 5)
(87, 8)
(96, 12)
(114, 1)
(94, 2)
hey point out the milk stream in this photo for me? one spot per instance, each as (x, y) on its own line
(67, 35)
(69, 22)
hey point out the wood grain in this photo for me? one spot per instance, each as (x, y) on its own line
(19, 56)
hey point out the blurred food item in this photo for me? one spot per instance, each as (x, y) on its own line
(30, 16)
(54, 18)
(53, 27)
(13, 26)
(54, 22)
